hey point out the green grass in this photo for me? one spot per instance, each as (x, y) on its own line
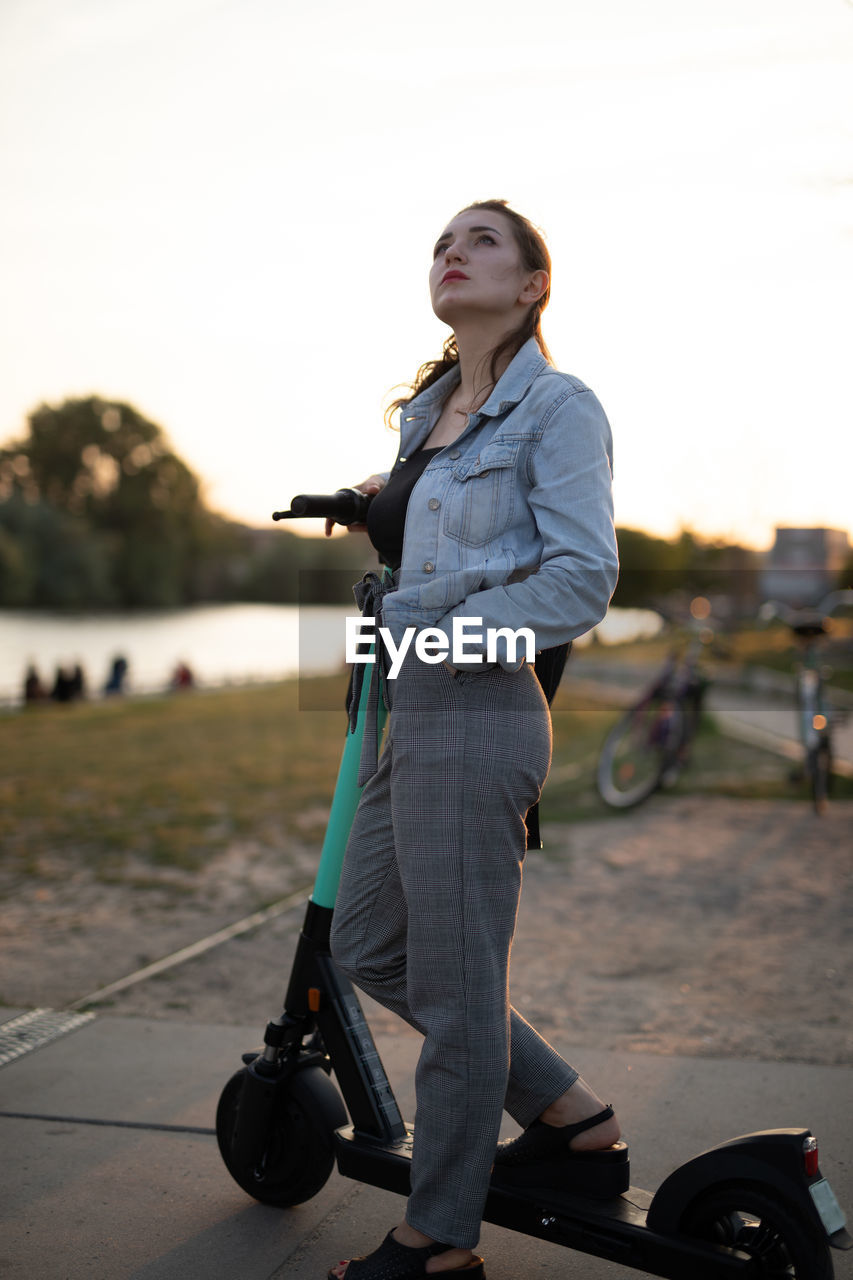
(168, 780)
(134, 787)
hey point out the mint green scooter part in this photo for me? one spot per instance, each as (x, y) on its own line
(344, 803)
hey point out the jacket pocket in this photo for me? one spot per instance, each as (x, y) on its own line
(481, 499)
(446, 590)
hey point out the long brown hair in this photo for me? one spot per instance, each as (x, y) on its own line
(535, 257)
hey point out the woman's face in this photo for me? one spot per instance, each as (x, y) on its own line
(477, 270)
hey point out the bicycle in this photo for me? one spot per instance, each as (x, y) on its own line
(815, 715)
(649, 746)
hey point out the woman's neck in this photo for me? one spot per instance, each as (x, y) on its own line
(473, 389)
(475, 347)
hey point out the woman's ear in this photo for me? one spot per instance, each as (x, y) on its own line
(536, 286)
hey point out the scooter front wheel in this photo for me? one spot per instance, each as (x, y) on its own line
(298, 1154)
(782, 1244)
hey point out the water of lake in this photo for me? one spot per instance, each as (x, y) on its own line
(222, 644)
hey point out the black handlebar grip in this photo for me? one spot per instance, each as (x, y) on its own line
(347, 506)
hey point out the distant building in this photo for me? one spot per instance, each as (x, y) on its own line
(803, 565)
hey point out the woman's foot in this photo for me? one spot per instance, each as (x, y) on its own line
(572, 1147)
(446, 1261)
(409, 1238)
(577, 1104)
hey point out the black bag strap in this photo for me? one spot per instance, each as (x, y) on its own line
(550, 665)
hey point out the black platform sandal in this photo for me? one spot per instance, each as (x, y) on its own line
(395, 1261)
(542, 1157)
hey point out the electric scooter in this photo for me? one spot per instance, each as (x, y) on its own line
(754, 1206)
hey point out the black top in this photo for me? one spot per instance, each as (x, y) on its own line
(386, 515)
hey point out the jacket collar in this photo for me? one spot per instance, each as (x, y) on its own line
(419, 415)
(512, 386)
(514, 382)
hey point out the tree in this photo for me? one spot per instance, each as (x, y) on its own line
(96, 510)
(649, 568)
(845, 577)
(653, 571)
(17, 571)
(50, 560)
(110, 473)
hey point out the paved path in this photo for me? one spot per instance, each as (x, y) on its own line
(111, 1170)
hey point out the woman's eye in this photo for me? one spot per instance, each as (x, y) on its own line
(488, 239)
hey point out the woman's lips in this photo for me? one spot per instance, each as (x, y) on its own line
(453, 275)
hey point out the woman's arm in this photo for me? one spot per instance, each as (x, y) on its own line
(571, 502)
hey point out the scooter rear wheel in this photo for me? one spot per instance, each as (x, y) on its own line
(298, 1157)
(773, 1233)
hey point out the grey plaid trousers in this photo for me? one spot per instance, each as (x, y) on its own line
(425, 916)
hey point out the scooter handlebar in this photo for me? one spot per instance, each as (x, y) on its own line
(347, 506)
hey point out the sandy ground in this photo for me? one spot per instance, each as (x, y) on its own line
(711, 927)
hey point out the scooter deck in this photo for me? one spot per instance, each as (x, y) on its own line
(614, 1229)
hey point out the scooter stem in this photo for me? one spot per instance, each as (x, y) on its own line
(344, 804)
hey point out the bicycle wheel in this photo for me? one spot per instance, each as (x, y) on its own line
(638, 751)
(819, 769)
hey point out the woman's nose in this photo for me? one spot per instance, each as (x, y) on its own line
(454, 252)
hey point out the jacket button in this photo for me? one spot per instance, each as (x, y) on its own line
(429, 567)
(484, 473)
(454, 454)
(433, 504)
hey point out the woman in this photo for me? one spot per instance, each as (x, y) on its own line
(498, 509)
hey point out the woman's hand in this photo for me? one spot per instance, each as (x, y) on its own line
(371, 485)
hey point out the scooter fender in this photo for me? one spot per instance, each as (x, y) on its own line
(771, 1159)
(254, 1112)
(261, 1083)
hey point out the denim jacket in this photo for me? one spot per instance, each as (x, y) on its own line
(512, 522)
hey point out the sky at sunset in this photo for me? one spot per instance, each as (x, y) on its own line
(222, 211)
